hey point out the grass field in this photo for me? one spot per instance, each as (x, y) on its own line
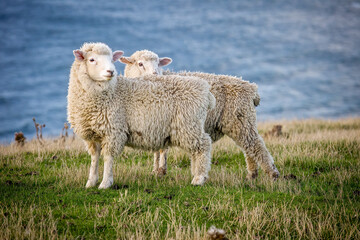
(43, 195)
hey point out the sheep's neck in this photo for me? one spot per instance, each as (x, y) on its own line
(94, 88)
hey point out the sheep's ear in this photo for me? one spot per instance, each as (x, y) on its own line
(79, 54)
(117, 55)
(126, 60)
(164, 61)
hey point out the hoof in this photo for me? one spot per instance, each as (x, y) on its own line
(91, 182)
(275, 175)
(106, 184)
(199, 180)
(161, 172)
(252, 175)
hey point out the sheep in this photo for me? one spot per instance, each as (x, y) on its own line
(234, 114)
(109, 112)
(142, 63)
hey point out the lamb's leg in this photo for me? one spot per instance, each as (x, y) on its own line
(261, 155)
(108, 178)
(248, 138)
(111, 147)
(94, 150)
(162, 163)
(201, 160)
(252, 167)
(156, 162)
(193, 166)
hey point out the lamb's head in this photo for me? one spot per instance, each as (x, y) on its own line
(143, 63)
(97, 60)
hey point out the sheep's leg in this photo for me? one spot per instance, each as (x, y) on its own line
(201, 159)
(156, 162)
(160, 165)
(111, 147)
(258, 151)
(163, 162)
(108, 178)
(94, 150)
(252, 167)
(202, 167)
(193, 166)
(248, 138)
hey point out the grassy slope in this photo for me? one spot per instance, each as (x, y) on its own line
(42, 193)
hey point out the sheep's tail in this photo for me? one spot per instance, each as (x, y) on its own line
(255, 95)
(212, 101)
(256, 99)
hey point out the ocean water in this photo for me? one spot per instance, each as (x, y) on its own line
(303, 54)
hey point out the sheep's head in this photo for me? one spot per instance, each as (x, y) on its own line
(143, 63)
(98, 60)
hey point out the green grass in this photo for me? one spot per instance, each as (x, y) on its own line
(43, 195)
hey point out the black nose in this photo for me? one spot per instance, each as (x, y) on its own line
(111, 72)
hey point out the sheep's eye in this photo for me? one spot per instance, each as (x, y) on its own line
(141, 64)
(92, 60)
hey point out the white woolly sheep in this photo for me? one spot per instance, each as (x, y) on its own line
(234, 114)
(109, 112)
(142, 63)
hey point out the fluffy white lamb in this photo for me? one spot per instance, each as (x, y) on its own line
(109, 112)
(143, 63)
(234, 114)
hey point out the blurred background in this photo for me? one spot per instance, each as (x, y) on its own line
(303, 54)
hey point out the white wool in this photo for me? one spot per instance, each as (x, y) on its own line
(234, 116)
(109, 114)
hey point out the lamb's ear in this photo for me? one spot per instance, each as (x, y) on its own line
(126, 60)
(117, 55)
(164, 61)
(79, 55)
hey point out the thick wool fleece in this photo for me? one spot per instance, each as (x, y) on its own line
(235, 116)
(108, 115)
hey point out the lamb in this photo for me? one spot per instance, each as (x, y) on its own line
(109, 111)
(142, 63)
(234, 114)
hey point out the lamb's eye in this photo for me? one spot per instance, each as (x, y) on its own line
(92, 60)
(141, 64)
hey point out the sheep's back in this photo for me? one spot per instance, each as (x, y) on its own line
(233, 96)
(157, 106)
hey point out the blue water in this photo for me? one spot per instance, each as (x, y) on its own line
(303, 54)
